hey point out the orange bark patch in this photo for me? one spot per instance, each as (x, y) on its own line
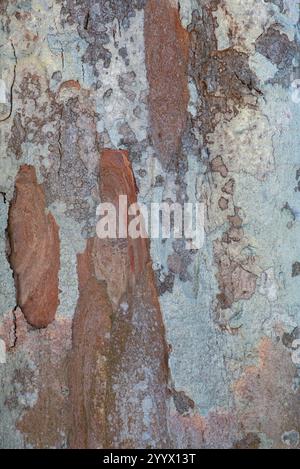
(34, 245)
(88, 366)
(119, 369)
(117, 179)
(116, 176)
(69, 84)
(167, 57)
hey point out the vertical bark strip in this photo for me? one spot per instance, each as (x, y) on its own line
(167, 58)
(88, 364)
(34, 250)
(137, 394)
(118, 369)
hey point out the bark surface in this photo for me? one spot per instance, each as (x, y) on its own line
(123, 343)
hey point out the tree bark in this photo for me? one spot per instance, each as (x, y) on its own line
(140, 343)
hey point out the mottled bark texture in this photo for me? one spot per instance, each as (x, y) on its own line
(123, 343)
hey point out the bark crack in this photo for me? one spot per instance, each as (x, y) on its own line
(14, 328)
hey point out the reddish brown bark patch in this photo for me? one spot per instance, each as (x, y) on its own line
(116, 176)
(117, 179)
(138, 363)
(137, 389)
(223, 203)
(88, 366)
(119, 368)
(45, 423)
(217, 166)
(69, 84)
(228, 188)
(167, 57)
(267, 389)
(34, 245)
